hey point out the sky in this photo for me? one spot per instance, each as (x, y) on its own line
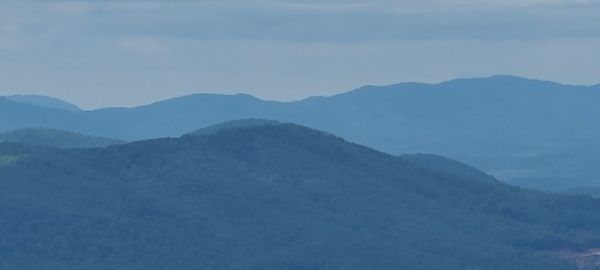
(125, 53)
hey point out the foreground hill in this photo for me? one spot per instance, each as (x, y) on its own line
(272, 197)
(234, 124)
(516, 129)
(55, 138)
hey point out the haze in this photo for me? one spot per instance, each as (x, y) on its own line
(125, 53)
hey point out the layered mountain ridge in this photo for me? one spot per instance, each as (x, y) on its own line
(516, 129)
(275, 196)
(55, 138)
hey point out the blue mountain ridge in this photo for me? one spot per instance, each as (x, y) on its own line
(517, 129)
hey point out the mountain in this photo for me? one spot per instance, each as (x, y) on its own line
(234, 124)
(16, 115)
(273, 197)
(44, 101)
(440, 164)
(55, 138)
(592, 192)
(531, 133)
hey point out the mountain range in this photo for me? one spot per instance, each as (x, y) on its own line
(44, 101)
(55, 138)
(530, 133)
(268, 195)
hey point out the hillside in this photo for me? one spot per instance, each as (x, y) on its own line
(234, 124)
(17, 115)
(516, 129)
(55, 138)
(436, 163)
(272, 197)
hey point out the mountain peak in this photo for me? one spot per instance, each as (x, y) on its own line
(501, 80)
(44, 101)
(240, 123)
(306, 200)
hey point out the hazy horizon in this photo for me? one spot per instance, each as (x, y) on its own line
(125, 53)
(333, 93)
(300, 134)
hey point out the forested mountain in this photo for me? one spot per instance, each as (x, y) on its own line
(55, 138)
(234, 124)
(527, 132)
(16, 115)
(273, 197)
(436, 163)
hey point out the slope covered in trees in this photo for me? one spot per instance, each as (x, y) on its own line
(272, 197)
(516, 129)
(55, 138)
(234, 124)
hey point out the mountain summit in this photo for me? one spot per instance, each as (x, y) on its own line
(44, 101)
(234, 124)
(272, 197)
(516, 129)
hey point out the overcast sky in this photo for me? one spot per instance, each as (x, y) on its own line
(125, 53)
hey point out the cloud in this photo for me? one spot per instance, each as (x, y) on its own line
(104, 52)
(143, 45)
(72, 7)
(310, 20)
(417, 5)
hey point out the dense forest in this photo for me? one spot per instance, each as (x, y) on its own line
(55, 138)
(511, 127)
(276, 196)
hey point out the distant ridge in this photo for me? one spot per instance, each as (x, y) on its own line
(516, 129)
(55, 138)
(44, 101)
